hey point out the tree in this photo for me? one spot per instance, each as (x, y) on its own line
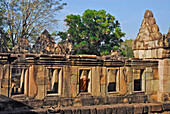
(4, 41)
(96, 32)
(26, 18)
(127, 44)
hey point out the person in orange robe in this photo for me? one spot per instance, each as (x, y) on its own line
(83, 84)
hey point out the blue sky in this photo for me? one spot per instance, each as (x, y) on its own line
(129, 12)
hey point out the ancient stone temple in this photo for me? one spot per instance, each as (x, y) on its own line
(150, 43)
(22, 46)
(44, 44)
(47, 80)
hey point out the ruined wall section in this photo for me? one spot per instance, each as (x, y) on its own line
(150, 43)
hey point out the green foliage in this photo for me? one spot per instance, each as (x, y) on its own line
(127, 44)
(96, 32)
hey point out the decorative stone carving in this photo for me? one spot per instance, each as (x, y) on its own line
(44, 44)
(149, 38)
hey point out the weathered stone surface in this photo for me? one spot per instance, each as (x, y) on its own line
(148, 13)
(26, 84)
(101, 110)
(150, 21)
(155, 108)
(96, 81)
(155, 74)
(155, 28)
(150, 38)
(33, 89)
(166, 106)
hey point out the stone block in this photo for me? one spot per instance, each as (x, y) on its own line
(67, 111)
(129, 76)
(148, 54)
(103, 79)
(41, 93)
(149, 86)
(155, 28)
(35, 103)
(166, 106)
(154, 53)
(151, 44)
(156, 35)
(153, 98)
(148, 75)
(129, 109)
(33, 88)
(166, 87)
(77, 102)
(138, 109)
(150, 20)
(155, 85)
(155, 108)
(101, 110)
(136, 71)
(66, 81)
(85, 111)
(136, 76)
(4, 82)
(166, 62)
(148, 13)
(111, 110)
(159, 96)
(123, 84)
(130, 90)
(166, 71)
(103, 90)
(4, 91)
(148, 69)
(112, 100)
(136, 53)
(156, 44)
(74, 80)
(121, 110)
(141, 54)
(41, 80)
(96, 81)
(155, 74)
(93, 111)
(160, 52)
(73, 90)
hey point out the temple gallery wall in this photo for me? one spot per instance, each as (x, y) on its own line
(48, 73)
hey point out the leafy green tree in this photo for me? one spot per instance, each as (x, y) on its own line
(27, 18)
(96, 32)
(127, 45)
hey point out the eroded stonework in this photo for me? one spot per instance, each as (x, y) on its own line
(47, 79)
(150, 43)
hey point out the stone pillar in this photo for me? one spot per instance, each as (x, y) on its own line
(164, 80)
(129, 76)
(41, 79)
(123, 84)
(96, 81)
(1, 75)
(66, 81)
(33, 89)
(74, 81)
(26, 82)
(5, 80)
(149, 80)
(103, 81)
(22, 80)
